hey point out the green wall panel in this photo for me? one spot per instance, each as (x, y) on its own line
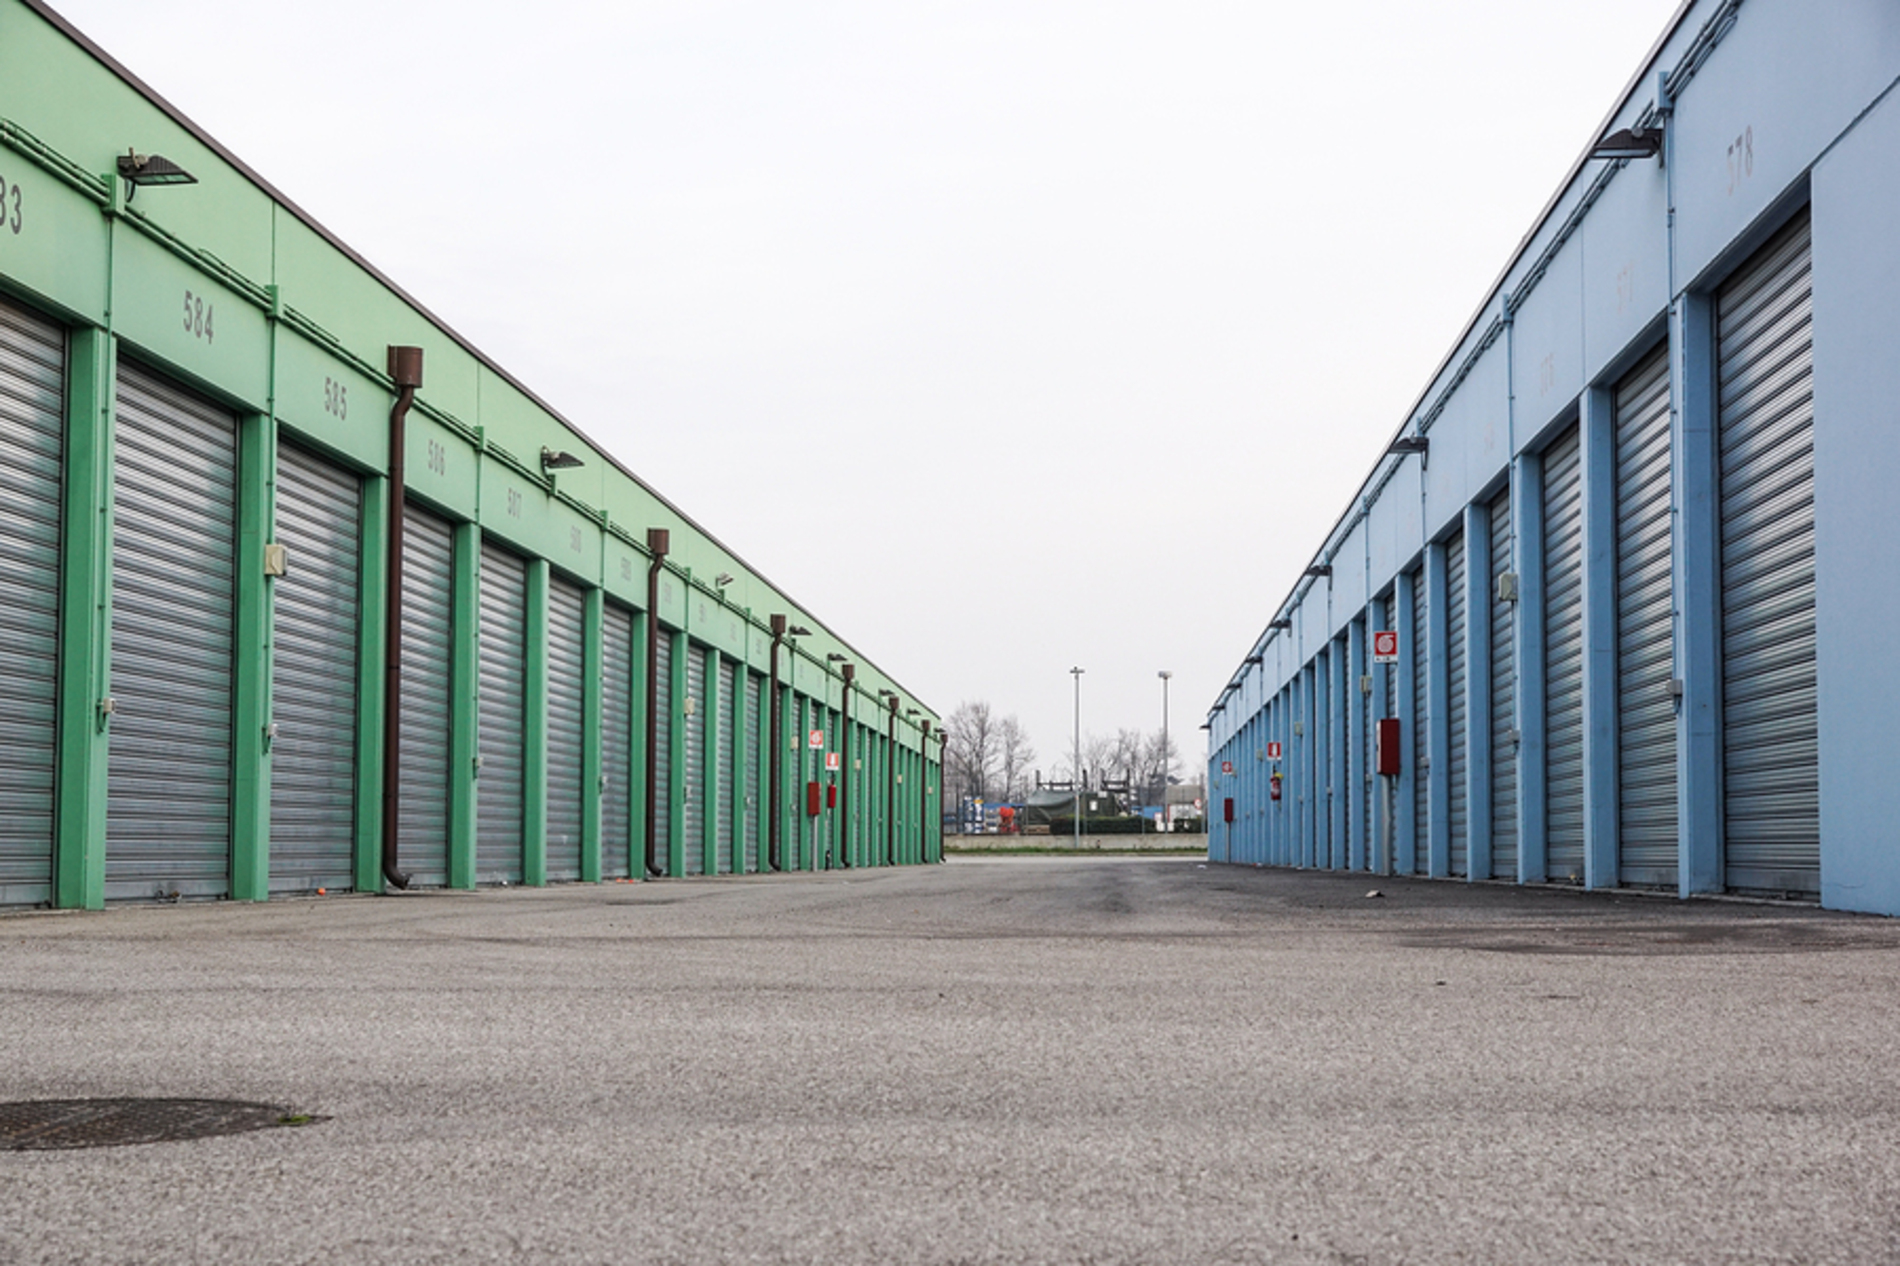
(52, 238)
(189, 322)
(328, 402)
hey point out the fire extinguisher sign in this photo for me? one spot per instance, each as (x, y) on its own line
(1385, 646)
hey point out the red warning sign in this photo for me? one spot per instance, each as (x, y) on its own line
(1273, 751)
(1385, 646)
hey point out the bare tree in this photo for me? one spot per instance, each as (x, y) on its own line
(1158, 765)
(971, 749)
(1014, 754)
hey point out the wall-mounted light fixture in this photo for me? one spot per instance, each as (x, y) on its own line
(1281, 623)
(1406, 445)
(798, 630)
(833, 657)
(1255, 659)
(1321, 570)
(723, 579)
(551, 460)
(138, 169)
(1629, 142)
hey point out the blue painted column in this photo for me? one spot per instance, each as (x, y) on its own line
(1408, 835)
(1359, 853)
(1596, 436)
(1323, 758)
(1698, 580)
(1309, 768)
(1478, 599)
(1282, 816)
(1338, 792)
(1438, 705)
(1527, 627)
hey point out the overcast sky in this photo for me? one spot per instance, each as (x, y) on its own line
(1108, 307)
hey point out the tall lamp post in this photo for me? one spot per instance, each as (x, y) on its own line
(1164, 675)
(1075, 781)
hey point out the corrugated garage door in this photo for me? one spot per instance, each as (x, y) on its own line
(1563, 657)
(616, 743)
(754, 790)
(1363, 701)
(313, 675)
(168, 816)
(662, 705)
(1422, 771)
(1645, 665)
(1456, 670)
(32, 400)
(694, 816)
(1503, 700)
(1771, 764)
(428, 572)
(566, 728)
(504, 658)
(728, 725)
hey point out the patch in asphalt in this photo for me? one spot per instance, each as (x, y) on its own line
(55, 1124)
(1649, 939)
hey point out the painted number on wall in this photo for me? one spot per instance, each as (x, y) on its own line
(1546, 374)
(514, 503)
(10, 209)
(626, 568)
(198, 317)
(1741, 158)
(1625, 288)
(574, 539)
(438, 457)
(336, 399)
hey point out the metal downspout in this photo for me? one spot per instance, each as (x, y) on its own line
(659, 540)
(850, 672)
(775, 824)
(405, 369)
(923, 794)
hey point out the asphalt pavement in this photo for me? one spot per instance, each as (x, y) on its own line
(1014, 1059)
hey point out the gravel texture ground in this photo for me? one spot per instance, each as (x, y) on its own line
(996, 1060)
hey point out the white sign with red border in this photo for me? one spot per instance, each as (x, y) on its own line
(833, 762)
(817, 741)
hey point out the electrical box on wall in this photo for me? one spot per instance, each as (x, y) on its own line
(1385, 746)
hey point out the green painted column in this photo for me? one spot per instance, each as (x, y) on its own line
(373, 620)
(593, 762)
(251, 695)
(465, 682)
(534, 733)
(675, 806)
(85, 608)
(638, 790)
(712, 812)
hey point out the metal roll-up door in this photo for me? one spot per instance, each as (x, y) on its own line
(662, 705)
(504, 678)
(1563, 658)
(1645, 642)
(1363, 701)
(168, 815)
(1503, 700)
(616, 743)
(728, 728)
(32, 403)
(694, 778)
(566, 727)
(428, 618)
(1771, 763)
(1455, 671)
(1422, 771)
(754, 790)
(313, 675)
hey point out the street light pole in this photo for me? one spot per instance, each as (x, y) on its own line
(1165, 675)
(1075, 778)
